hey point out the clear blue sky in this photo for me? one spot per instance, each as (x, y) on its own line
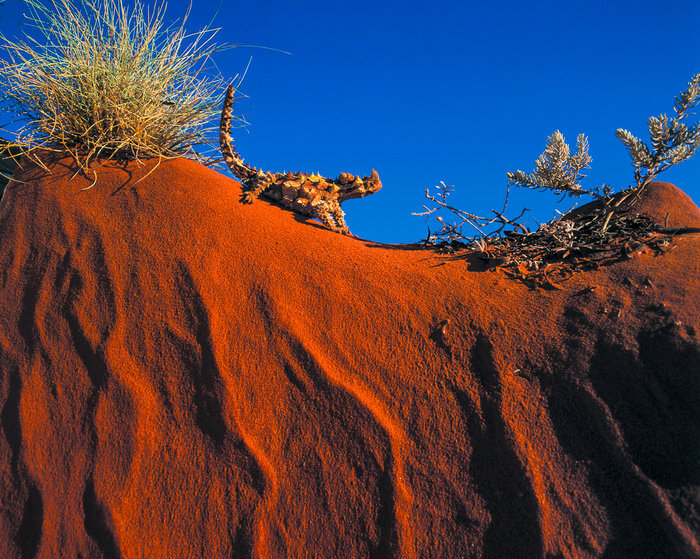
(458, 91)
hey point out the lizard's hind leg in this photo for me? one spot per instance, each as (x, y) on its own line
(253, 192)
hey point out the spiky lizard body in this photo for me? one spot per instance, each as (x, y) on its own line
(308, 194)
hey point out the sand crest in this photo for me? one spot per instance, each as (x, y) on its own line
(182, 376)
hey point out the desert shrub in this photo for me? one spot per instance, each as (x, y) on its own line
(104, 82)
(672, 141)
(609, 230)
(557, 169)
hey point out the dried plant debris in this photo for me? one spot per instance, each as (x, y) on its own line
(556, 250)
(603, 232)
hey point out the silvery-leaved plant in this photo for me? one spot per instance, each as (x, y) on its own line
(557, 169)
(672, 141)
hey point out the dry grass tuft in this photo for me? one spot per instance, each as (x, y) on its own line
(104, 82)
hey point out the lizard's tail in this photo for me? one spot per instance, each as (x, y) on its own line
(246, 174)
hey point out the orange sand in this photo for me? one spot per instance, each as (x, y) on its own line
(183, 376)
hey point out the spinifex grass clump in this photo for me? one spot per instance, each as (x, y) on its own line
(103, 82)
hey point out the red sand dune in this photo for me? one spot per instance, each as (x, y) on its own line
(185, 376)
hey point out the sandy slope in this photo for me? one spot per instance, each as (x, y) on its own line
(185, 376)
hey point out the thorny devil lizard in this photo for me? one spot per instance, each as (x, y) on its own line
(311, 195)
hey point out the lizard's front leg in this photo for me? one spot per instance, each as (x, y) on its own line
(339, 217)
(327, 216)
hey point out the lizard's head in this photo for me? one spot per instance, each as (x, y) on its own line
(350, 186)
